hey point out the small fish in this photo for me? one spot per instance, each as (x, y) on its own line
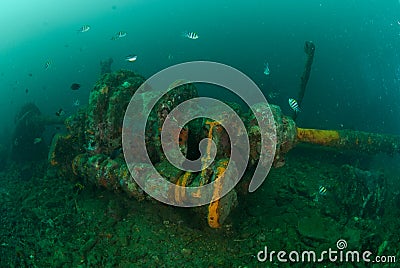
(47, 65)
(322, 190)
(294, 105)
(266, 69)
(84, 29)
(191, 35)
(131, 58)
(26, 91)
(60, 112)
(121, 34)
(76, 103)
(75, 86)
(37, 140)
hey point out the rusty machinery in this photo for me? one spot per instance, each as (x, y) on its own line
(91, 150)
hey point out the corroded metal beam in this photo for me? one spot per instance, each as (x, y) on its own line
(371, 143)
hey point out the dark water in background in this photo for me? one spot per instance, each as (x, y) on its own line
(355, 79)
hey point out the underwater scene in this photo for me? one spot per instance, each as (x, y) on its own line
(149, 133)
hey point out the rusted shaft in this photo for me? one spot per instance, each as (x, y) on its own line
(309, 49)
(352, 140)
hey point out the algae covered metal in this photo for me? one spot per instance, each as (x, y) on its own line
(92, 152)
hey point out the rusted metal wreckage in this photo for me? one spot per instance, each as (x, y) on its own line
(91, 151)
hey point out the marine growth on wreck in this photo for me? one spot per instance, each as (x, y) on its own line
(91, 151)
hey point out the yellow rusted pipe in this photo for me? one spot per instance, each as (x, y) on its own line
(352, 140)
(317, 136)
(214, 208)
